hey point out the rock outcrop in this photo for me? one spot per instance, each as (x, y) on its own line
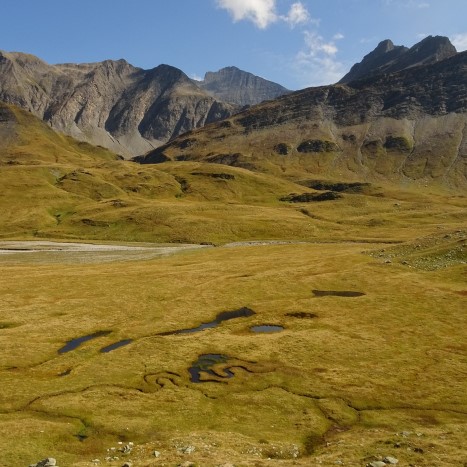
(240, 87)
(403, 126)
(388, 58)
(110, 103)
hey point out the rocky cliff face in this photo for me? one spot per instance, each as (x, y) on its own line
(110, 103)
(388, 58)
(239, 87)
(404, 126)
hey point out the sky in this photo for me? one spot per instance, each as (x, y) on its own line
(294, 43)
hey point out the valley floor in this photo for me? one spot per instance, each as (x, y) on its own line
(106, 358)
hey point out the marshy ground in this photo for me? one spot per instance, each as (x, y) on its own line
(371, 360)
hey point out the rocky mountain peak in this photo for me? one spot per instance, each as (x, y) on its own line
(383, 47)
(239, 87)
(388, 58)
(432, 49)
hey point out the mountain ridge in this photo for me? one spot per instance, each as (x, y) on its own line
(230, 84)
(113, 103)
(388, 58)
(406, 126)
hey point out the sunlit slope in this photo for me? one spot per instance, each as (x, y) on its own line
(53, 186)
(405, 128)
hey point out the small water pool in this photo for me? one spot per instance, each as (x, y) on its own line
(266, 328)
(75, 343)
(116, 345)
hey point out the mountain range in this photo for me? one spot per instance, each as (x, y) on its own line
(124, 108)
(399, 114)
(402, 119)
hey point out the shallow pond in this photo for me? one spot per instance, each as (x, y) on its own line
(116, 345)
(266, 328)
(243, 312)
(75, 343)
(205, 363)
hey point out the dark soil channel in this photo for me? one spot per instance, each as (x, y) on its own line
(75, 343)
(224, 316)
(266, 328)
(8, 325)
(205, 363)
(302, 315)
(336, 293)
(116, 345)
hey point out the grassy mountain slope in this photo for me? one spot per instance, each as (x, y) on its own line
(406, 128)
(349, 379)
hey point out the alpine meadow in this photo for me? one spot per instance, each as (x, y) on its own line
(225, 272)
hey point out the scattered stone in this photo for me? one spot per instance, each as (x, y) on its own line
(377, 464)
(186, 449)
(388, 261)
(126, 449)
(391, 460)
(47, 462)
(187, 464)
(127, 464)
(96, 461)
(156, 454)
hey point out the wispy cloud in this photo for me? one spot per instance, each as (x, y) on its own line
(196, 77)
(316, 63)
(298, 14)
(263, 13)
(460, 41)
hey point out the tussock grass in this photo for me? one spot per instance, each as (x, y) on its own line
(343, 385)
(399, 349)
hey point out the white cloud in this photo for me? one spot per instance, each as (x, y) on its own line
(315, 45)
(316, 64)
(196, 77)
(460, 41)
(263, 13)
(338, 36)
(298, 14)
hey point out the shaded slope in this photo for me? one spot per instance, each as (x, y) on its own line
(231, 84)
(405, 127)
(110, 103)
(388, 58)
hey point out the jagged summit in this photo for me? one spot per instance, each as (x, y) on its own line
(405, 126)
(230, 84)
(384, 46)
(122, 107)
(111, 103)
(388, 58)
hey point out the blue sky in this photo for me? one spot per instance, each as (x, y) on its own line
(294, 43)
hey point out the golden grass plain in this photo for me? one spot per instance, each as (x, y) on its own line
(365, 368)
(349, 379)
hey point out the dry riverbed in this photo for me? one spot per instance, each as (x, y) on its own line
(40, 251)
